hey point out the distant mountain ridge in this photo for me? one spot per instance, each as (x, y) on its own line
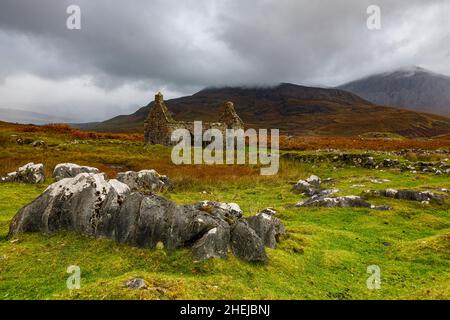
(294, 109)
(411, 87)
(30, 117)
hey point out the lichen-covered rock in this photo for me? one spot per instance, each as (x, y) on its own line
(267, 227)
(304, 187)
(92, 205)
(87, 203)
(213, 244)
(412, 195)
(29, 173)
(71, 170)
(311, 187)
(136, 284)
(229, 212)
(39, 143)
(146, 180)
(314, 180)
(246, 244)
(379, 181)
(146, 220)
(269, 211)
(387, 163)
(338, 202)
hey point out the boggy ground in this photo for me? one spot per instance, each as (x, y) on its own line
(324, 256)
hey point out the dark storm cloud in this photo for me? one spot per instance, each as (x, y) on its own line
(140, 40)
(125, 50)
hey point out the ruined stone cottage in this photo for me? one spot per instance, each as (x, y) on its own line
(159, 125)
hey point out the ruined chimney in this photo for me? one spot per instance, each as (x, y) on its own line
(159, 99)
(159, 109)
(230, 117)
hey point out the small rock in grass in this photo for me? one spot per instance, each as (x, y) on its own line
(379, 180)
(329, 180)
(39, 143)
(269, 211)
(136, 284)
(159, 245)
(338, 202)
(313, 179)
(311, 187)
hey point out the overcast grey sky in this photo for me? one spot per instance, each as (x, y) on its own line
(127, 50)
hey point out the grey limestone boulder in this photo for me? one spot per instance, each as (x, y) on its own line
(87, 203)
(311, 187)
(412, 195)
(29, 173)
(246, 244)
(92, 205)
(338, 202)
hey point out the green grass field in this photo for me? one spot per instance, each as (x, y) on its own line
(324, 255)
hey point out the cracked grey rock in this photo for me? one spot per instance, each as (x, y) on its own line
(267, 227)
(246, 244)
(213, 244)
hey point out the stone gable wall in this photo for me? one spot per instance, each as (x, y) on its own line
(160, 124)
